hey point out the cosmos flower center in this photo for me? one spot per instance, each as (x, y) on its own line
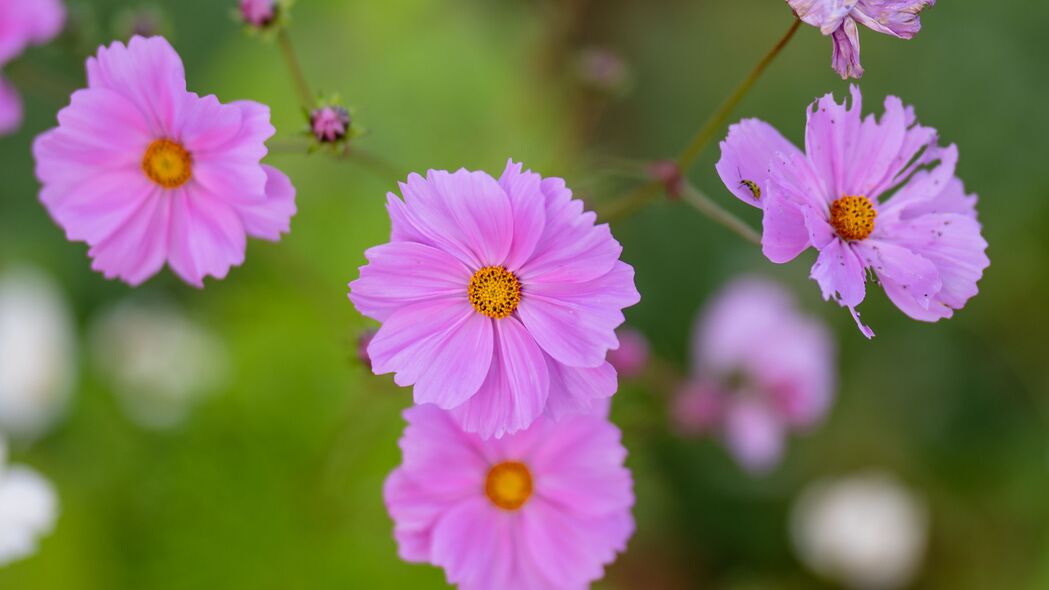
(167, 163)
(853, 217)
(508, 485)
(494, 292)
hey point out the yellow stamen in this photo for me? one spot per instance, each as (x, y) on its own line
(509, 485)
(853, 217)
(494, 292)
(167, 163)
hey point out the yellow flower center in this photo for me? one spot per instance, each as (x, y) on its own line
(167, 163)
(853, 217)
(494, 292)
(509, 485)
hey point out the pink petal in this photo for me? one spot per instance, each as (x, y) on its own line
(954, 245)
(827, 15)
(94, 209)
(754, 435)
(465, 213)
(442, 347)
(27, 23)
(864, 329)
(149, 73)
(136, 249)
(839, 273)
(581, 463)
(461, 456)
(207, 237)
(402, 229)
(99, 130)
(572, 248)
(925, 185)
(747, 154)
(10, 108)
(569, 551)
(830, 127)
(579, 390)
(846, 56)
(952, 199)
(735, 324)
(528, 204)
(402, 273)
(873, 155)
(794, 177)
(784, 234)
(205, 124)
(473, 543)
(270, 218)
(575, 322)
(222, 166)
(910, 280)
(898, 18)
(515, 391)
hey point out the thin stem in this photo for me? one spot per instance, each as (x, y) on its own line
(637, 199)
(714, 123)
(693, 196)
(298, 78)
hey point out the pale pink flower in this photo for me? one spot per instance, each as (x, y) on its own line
(759, 370)
(838, 18)
(147, 173)
(546, 508)
(498, 299)
(875, 197)
(23, 23)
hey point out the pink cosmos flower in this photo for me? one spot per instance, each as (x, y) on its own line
(543, 509)
(147, 173)
(23, 23)
(759, 369)
(872, 196)
(838, 19)
(631, 358)
(498, 299)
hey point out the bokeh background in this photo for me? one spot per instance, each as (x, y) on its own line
(272, 480)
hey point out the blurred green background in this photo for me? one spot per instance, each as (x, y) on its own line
(275, 481)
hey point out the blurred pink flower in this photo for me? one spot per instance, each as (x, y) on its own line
(258, 13)
(147, 173)
(631, 358)
(330, 124)
(923, 243)
(838, 19)
(23, 23)
(759, 369)
(498, 299)
(545, 508)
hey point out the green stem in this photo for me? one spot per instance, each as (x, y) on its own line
(717, 120)
(647, 192)
(693, 196)
(298, 78)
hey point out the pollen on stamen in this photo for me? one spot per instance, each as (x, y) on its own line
(509, 485)
(853, 217)
(494, 292)
(167, 163)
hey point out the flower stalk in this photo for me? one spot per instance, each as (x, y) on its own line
(297, 77)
